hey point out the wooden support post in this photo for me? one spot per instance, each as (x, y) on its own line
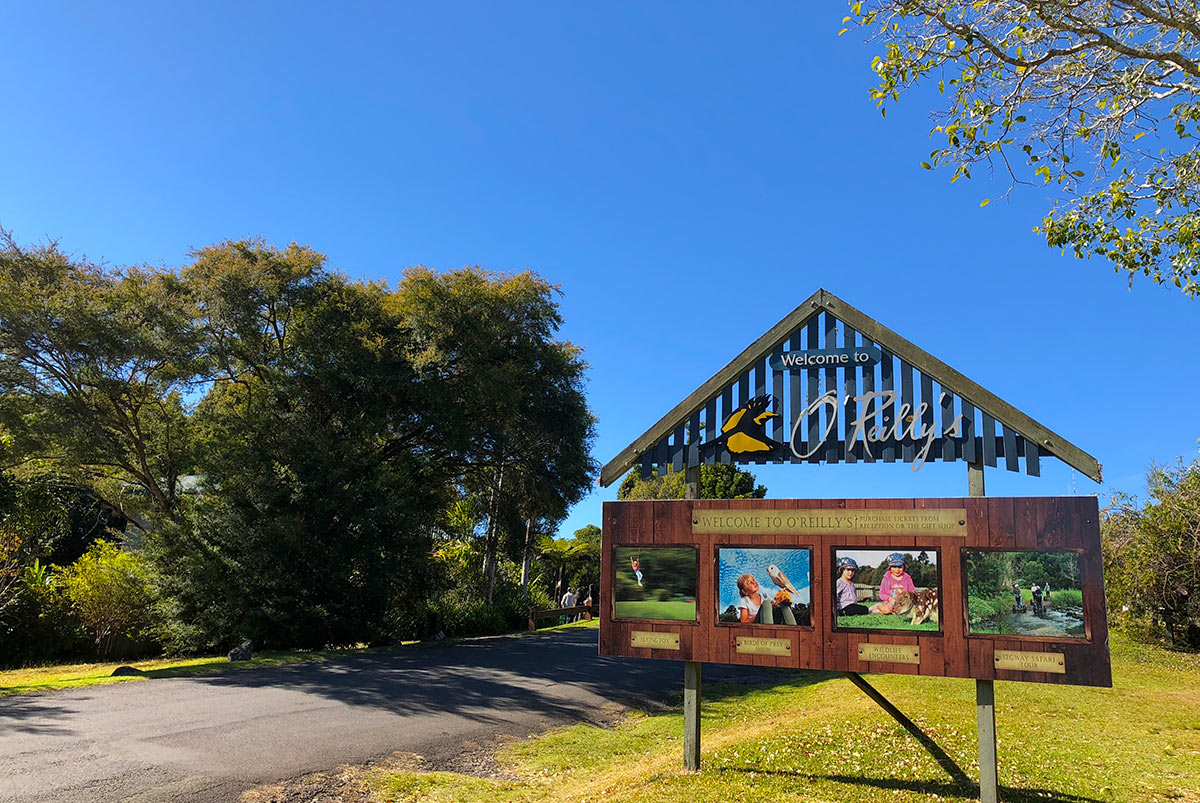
(985, 724)
(692, 689)
(691, 715)
(985, 692)
(975, 479)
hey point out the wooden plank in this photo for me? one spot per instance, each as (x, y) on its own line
(849, 390)
(794, 403)
(868, 386)
(677, 449)
(778, 425)
(978, 533)
(706, 590)
(1025, 524)
(1091, 569)
(833, 446)
(908, 405)
(1052, 525)
(927, 414)
(727, 408)
(988, 433)
(950, 449)
(970, 450)
(954, 610)
(760, 386)
(980, 654)
(693, 447)
(887, 382)
(1001, 518)
(1010, 449)
(1033, 465)
(710, 428)
(813, 378)
(611, 523)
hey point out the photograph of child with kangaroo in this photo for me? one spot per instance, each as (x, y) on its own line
(882, 590)
(1024, 593)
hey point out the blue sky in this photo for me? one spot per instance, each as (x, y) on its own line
(686, 172)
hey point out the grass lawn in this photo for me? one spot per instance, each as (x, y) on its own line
(653, 609)
(814, 737)
(881, 621)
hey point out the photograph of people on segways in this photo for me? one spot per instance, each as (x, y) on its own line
(1009, 593)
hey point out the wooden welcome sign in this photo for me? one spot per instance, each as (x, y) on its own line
(697, 558)
(991, 589)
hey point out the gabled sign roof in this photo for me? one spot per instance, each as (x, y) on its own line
(830, 384)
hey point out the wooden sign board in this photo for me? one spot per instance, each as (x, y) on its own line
(757, 582)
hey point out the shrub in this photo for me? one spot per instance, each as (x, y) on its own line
(109, 592)
(985, 607)
(39, 625)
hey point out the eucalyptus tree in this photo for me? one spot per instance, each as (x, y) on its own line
(1095, 99)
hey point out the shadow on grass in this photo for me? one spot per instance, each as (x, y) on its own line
(1010, 794)
(731, 683)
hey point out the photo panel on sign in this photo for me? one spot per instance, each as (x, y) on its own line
(764, 585)
(1024, 594)
(655, 582)
(887, 589)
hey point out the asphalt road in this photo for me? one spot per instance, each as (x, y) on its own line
(211, 738)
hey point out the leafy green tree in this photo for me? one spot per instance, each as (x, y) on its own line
(1033, 573)
(323, 475)
(110, 592)
(94, 366)
(509, 397)
(1097, 100)
(718, 481)
(588, 534)
(33, 520)
(1152, 554)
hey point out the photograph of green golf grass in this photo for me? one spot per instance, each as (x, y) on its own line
(655, 582)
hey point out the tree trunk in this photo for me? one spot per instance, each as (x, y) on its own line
(527, 558)
(493, 534)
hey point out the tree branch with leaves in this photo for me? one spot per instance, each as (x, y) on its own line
(1094, 99)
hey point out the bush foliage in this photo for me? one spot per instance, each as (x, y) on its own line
(289, 442)
(1152, 555)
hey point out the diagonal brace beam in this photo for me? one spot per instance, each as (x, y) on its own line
(921, 736)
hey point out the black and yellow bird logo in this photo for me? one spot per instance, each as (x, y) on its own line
(743, 433)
